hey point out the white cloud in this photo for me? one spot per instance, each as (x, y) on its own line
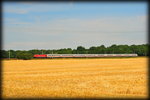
(15, 10)
(102, 25)
(30, 7)
(62, 33)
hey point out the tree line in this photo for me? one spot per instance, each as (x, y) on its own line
(141, 50)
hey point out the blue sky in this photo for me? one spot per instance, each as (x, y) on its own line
(55, 25)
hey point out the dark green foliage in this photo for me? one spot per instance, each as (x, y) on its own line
(81, 50)
(65, 51)
(4, 54)
(35, 51)
(74, 51)
(92, 50)
(24, 55)
(97, 50)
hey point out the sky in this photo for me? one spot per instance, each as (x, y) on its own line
(56, 25)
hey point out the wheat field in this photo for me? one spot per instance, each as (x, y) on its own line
(75, 78)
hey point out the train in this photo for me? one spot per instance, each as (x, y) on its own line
(82, 55)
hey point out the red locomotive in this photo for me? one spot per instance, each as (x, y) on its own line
(40, 56)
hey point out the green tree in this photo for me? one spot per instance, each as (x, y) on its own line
(81, 50)
(101, 49)
(4, 54)
(24, 55)
(65, 51)
(92, 50)
(74, 51)
(35, 51)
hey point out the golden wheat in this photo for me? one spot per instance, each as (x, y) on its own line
(85, 78)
